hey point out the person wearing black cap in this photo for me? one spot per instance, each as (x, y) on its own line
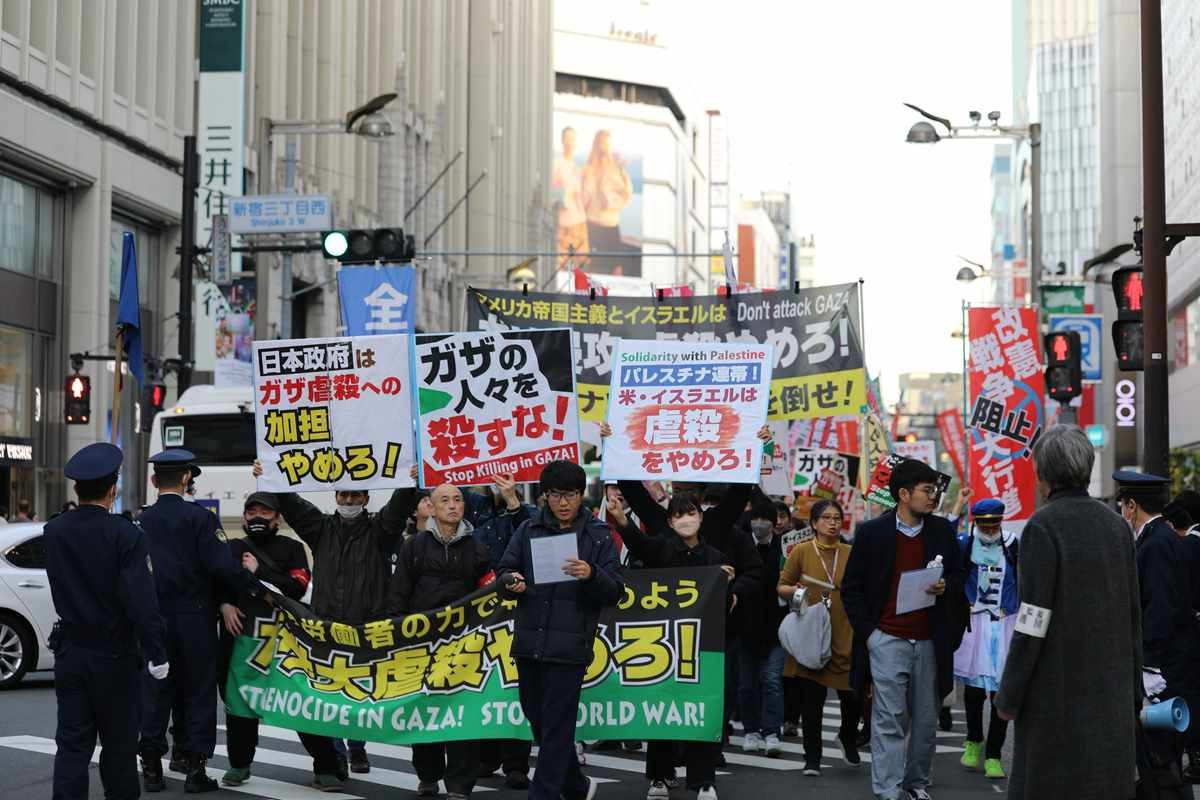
(283, 563)
(101, 580)
(192, 560)
(908, 655)
(1170, 631)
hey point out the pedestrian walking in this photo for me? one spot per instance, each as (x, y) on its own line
(990, 591)
(1074, 665)
(109, 632)
(283, 563)
(823, 558)
(437, 567)
(555, 626)
(192, 566)
(908, 655)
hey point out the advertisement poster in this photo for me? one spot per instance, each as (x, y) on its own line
(494, 403)
(1006, 390)
(333, 413)
(818, 367)
(377, 299)
(688, 411)
(657, 670)
(596, 184)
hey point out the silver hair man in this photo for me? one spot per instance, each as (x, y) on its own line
(1064, 457)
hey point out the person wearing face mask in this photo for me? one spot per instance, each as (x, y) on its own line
(352, 552)
(680, 543)
(283, 563)
(990, 589)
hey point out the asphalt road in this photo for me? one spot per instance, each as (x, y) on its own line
(282, 769)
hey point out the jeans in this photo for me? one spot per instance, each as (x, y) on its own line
(973, 698)
(814, 711)
(760, 689)
(904, 714)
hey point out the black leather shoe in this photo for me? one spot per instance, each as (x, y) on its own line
(178, 762)
(343, 768)
(516, 780)
(152, 774)
(359, 762)
(197, 779)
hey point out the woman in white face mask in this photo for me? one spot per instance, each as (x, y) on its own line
(991, 595)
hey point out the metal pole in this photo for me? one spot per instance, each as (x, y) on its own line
(454, 208)
(440, 175)
(965, 457)
(709, 231)
(285, 272)
(1154, 258)
(262, 279)
(187, 254)
(1035, 223)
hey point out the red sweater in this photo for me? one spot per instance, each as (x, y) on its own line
(910, 554)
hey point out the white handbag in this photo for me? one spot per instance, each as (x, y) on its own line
(807, 633)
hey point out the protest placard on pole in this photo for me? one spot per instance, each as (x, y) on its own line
(333, 413)
(878, 492)
(808, 467)
(494, 403)
(689, 411)
(775, 476)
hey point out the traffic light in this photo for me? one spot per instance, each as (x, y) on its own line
(1127, 330)
(1064, 365)
(368, 246)
(78, 406)
(154, 396)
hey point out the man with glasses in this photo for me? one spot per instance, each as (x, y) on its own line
(556, 623)
(908, 654)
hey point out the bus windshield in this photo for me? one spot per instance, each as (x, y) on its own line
(216, 439)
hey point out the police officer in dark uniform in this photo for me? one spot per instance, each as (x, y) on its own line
(192, 563)
(103, 590)
(1170, 632)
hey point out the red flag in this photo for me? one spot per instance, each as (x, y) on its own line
(954, 440)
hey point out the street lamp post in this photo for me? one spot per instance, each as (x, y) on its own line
(925, 133)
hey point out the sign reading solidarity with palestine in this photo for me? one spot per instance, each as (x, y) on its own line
(657, 669)
(333, 413)
(1007, 392)
(689, 411)
(818, 366)
(493, 403)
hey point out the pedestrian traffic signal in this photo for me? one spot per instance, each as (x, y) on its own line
(363, 246)
(154, 396)
(1064, 365)
(1127, 330)
(78, 405)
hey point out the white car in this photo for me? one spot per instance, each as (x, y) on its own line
(26, 609)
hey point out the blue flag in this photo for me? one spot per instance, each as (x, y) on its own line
(377, 299)
(129, 310)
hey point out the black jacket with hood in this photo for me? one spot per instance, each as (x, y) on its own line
(431, 573)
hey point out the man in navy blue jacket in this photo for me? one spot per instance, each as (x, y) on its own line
(907, 656)
(556, 626)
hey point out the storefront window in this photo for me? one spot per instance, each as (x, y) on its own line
(18, 224)
(16, 370)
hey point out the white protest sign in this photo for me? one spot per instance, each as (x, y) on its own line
(776, 477)
(687, 411)
(333, 413)
(921, 450)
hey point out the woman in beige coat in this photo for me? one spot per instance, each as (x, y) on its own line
(823, 559)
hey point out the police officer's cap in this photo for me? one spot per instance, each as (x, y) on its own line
(1134, 481)
(173, 458)
(264, 499)
(988, 511)
(96, 461)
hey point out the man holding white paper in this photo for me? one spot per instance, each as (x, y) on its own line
(902, 644)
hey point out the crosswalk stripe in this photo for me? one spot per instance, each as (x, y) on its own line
(262, 787)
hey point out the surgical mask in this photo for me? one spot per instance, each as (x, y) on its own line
(762, 530)
(992, 539)
(687, 526)
(257, 526)
(349, 511)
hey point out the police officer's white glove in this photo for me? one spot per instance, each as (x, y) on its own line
(159, 671)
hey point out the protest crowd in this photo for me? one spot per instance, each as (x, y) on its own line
(556, 587)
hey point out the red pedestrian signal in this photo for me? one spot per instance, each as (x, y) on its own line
(1127, 330)
(77, 407)
(1064, 365)
(1127, 286)
(153, 398)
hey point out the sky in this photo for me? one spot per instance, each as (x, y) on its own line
(812, 92)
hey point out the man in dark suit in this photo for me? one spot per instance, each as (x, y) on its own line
(908, 655)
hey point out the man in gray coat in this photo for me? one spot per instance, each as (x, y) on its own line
(1073, 677)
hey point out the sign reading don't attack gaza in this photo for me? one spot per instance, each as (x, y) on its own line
(688, 410)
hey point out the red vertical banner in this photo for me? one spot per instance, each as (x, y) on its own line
(954, 440)
(1007, 406)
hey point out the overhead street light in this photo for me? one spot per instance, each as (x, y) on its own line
(967, 274)
(923, 133)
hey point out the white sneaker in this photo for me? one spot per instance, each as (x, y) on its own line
(753, 743)
(707, 792)
(658, 790)
(771, 746)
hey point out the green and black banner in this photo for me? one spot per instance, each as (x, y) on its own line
(657, 670)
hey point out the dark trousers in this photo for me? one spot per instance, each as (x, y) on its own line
(973, 698)
(699, 758)
(511, 755)
(98, 694)
(191, 685)
(813, 698)
(550, 701)
(344, 746)
(793, 699)
(455, 762)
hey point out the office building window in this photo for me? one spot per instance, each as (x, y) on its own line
(146, 244)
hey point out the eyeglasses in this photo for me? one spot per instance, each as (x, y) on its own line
(928, 491)
(555, 496)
